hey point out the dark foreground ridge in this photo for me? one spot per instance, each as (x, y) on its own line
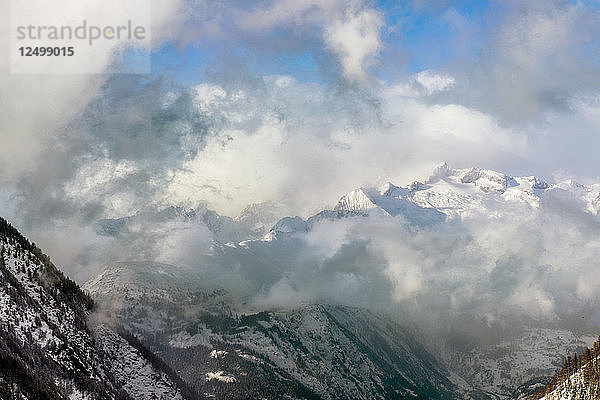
(51, 349)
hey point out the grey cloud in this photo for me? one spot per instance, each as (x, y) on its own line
(536, 61)
(132, 145)
(482, 273)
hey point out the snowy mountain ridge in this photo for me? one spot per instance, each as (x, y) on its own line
(50, 348)
(460, 191)
(448, 193)
(307, 352)
(451, 193)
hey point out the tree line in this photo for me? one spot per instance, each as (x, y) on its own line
(587, 363)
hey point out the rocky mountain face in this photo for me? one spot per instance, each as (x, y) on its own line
(227, 350)
(53, 346)
(312, 351)
(515, 369)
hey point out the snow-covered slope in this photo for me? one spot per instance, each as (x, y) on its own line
(259, 218)
(579, 378)
(312, 351)
(49, 349)
(532, 356)
(253, 222)
(224, 229)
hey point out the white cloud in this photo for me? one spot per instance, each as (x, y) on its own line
(34, 107)
(434, 82)
(247, 140)
(300, 145)
(533, 63)
(297, 13)
(355, 40)
(96, 177)
(513, 265)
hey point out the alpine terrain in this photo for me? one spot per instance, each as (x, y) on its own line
(313, 351)
(53, 346)
(233, 338)
(393, 293)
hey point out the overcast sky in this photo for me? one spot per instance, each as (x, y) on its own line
(299, 102)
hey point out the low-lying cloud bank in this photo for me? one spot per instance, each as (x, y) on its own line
(523, 100)
(486, 270)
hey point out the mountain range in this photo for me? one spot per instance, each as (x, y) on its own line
(394, 292)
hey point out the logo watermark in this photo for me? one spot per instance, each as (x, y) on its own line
(80, 36)
(85, 31)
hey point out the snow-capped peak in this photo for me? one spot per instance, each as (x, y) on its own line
(439, 172)
(356, 200)
(460, 192)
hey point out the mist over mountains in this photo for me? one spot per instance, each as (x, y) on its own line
(262, 213)
(465, 241)
(489, 268)
(486, 279)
